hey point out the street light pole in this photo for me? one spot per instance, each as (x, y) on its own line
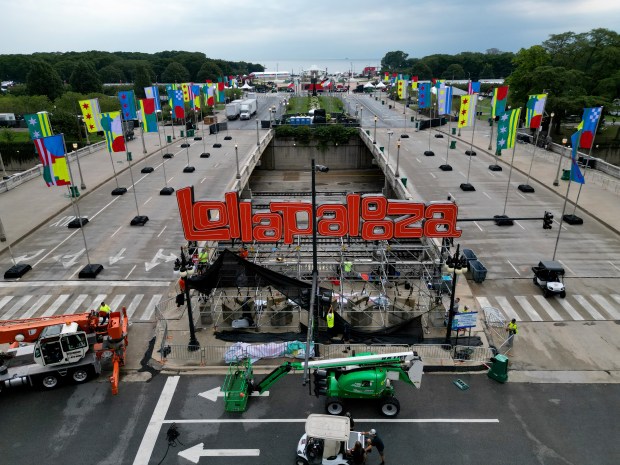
(455, 265)
(556, 182)
(397, 174)
(237, 159)
(187, 269)
(374, 138)
(387, 163)
(257, 134)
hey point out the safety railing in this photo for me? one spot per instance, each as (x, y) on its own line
(432, 354)
(20, 178)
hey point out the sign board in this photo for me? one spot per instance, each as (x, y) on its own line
(371, 217)
(464, 320)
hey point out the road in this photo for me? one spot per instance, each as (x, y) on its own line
(487, 423)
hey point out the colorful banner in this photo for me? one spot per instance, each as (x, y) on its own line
(52, 153)
(575, 173)
(473, 88)
(498, 104)
(176, 103)
(467, 112)
(91, 114)
(588, 125)
(424, 95)
(149, 117)
(195, 92)
(128, 104)
(153, 92)
(113, 130)
(507, 129)
(39, 125)
(534, 110)
(444, 100)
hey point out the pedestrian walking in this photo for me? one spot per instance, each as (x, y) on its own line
(512, 331)
(375, 440)
(104, 312)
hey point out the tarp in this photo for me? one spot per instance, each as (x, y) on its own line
(368, 85)
(241, 350)
(380, 86)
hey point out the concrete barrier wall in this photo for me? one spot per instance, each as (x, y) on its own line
(286, 154)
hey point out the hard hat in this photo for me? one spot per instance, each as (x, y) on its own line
(373, 431)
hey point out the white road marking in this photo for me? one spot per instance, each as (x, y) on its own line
(519, 225)
(35, 308)
(544, 303)
(75, 305)
(570, 310)
(56, 305)
(588, 307)
(19, 304)
(520, 195)
(606, 305)
(484, 193)
(507, 308)
(114, 233)
(476, 223)
(162, 231)
(611, 263)
(143, 456)
(513, 267)
(5, 300)
(130, 271)
(150, 308)
(527, 307)
(134, 304)
(115, 305)
(361, 420)
(4, 284)
(564, 265)
(147, 201)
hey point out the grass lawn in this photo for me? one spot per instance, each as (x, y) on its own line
(302, 105)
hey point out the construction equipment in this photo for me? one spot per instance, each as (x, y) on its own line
(362, 376)
(47, 351)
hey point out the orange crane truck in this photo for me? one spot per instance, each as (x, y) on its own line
(46, 352)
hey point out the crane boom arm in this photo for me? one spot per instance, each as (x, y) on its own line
(31, 328)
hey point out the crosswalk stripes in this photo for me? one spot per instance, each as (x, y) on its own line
(609, 308)
(538, 308)
(35, 306)
(56, 305)
(575, 315)
(588, 307)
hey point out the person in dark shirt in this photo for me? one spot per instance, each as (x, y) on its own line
(375, 440)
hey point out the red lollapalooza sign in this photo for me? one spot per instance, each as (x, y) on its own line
(372, 217)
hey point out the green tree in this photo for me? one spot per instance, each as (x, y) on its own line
(422, 71)
(85, 78)
(526, 61)
(394, 61)
(64, 69)
(208, 70)
(454, 71)
(143, 78)
(111, 73)
(486, 72)
(175, 72)
(43, 80)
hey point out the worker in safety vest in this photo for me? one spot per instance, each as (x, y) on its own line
(512, 332)
(203, 260)
(330, 317)
(104, 312)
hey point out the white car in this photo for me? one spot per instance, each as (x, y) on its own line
(327, 440)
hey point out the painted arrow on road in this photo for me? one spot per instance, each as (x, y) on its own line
(157, 259)
(74, 258)
(117, 257)
(194, 453)
(213, 394)
(23, 258)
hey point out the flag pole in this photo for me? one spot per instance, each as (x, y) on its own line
(526, 187)
(204, 153)
(429, 152)
(466, 186)
(573, 217)
(514, 148)
(142, 127)
(138, 220)
(445, 166)
(91, 270)
(187, 169)
(557, 239)
(165, 190)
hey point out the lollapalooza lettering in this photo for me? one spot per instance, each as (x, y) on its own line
(372, 217)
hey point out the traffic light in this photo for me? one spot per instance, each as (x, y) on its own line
(547, 220)
(320, 383)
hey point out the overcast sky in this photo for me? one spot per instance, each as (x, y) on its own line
(255, 30)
